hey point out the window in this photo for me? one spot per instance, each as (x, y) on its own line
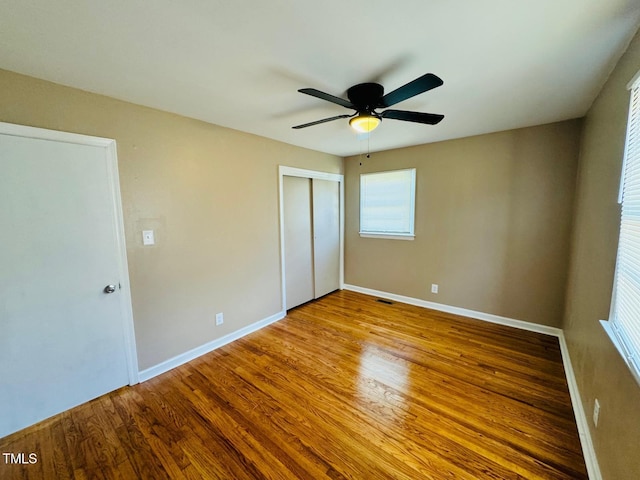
(624, 320)
(387, 204)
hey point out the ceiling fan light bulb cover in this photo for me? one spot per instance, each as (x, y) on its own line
(364, 123)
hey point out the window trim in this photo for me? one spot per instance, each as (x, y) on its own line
(610, 326)
(389, 236)
(412, 214)
(610, 329)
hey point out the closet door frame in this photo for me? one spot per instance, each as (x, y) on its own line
(310, 174)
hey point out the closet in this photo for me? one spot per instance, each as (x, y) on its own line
(311, 214)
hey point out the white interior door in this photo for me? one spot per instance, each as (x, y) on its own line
(326, 236)
(298, 240)
(63, 339)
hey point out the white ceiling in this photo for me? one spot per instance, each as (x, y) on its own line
(505, 63)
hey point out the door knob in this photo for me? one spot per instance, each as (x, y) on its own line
(109, 289)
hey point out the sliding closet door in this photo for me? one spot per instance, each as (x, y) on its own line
(326, 236)
(298, 240)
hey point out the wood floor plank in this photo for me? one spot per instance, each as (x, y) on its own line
(371, 432)
(255, 406)
(446, 387)
(344, 387)
(328, 387)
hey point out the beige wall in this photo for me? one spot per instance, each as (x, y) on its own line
(210, 194)
(600, 371)
(493, 220)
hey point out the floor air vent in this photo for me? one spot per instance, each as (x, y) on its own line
(381, 300)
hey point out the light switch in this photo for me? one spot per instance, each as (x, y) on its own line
(148, 238)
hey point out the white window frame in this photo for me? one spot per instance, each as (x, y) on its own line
(623, 326)
(409, 234)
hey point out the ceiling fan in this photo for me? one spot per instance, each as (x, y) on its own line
(365, 98)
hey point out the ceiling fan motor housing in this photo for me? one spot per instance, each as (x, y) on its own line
(366, 96)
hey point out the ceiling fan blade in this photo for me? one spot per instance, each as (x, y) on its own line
(411, 89)
(418, 117)
(317, 122)
(329, 98)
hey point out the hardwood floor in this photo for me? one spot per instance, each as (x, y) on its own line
(343, 387)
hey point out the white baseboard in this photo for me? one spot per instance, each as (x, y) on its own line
(593, 469)
(185, 357)
(487, 317)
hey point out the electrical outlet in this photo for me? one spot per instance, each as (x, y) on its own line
(148, 237)
(434, 288)
(219, 319)
(596, 412)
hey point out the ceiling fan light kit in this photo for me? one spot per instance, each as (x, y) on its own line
(365, 98)
(364, 123)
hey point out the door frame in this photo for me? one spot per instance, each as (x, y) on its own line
(300, 172)
(109, 146)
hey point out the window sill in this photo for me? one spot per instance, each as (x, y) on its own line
(620, 348)
(388, 236)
